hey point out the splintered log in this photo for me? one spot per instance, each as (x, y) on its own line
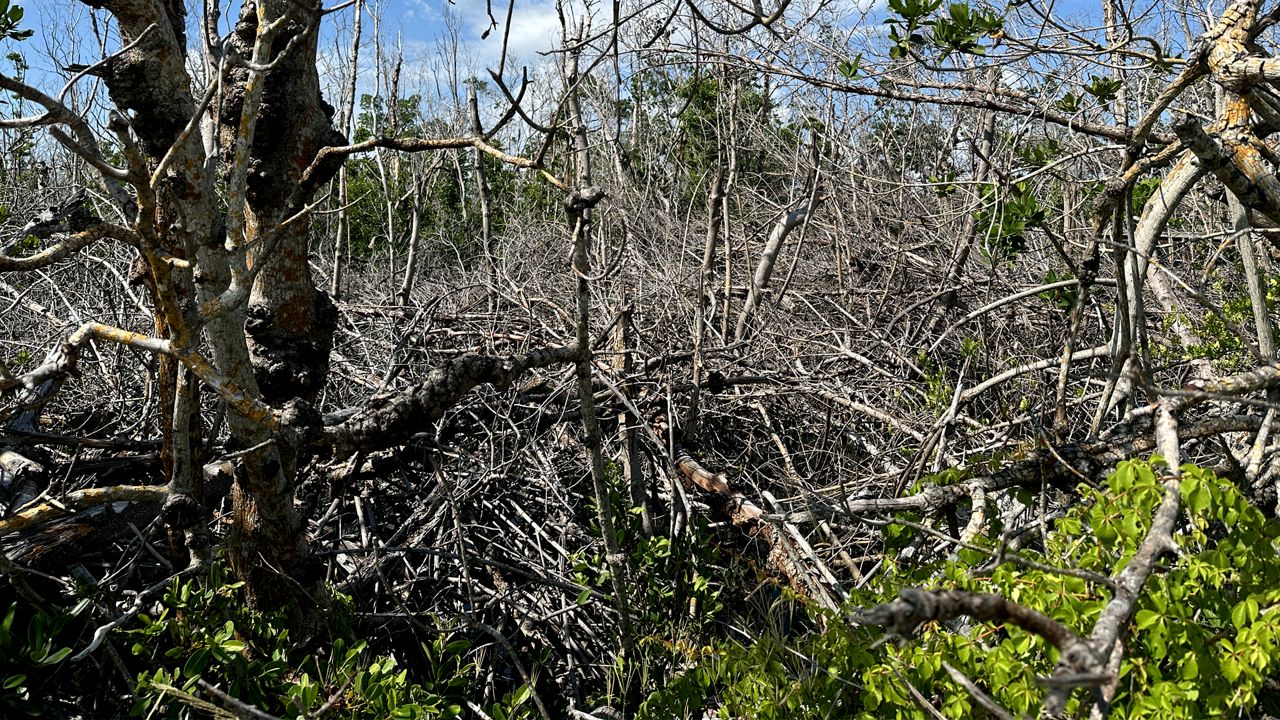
(747, 516)
(79, 501)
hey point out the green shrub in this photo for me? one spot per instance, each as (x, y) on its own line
(204, 630)
(32, 641)
(1202, 643)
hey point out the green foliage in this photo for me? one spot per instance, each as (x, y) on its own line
(938, 391)
(849, 69)
(1142, 192)
(959, 30)
(911, 18)
(913, 144)
(678, 607)
(1218, 342)
(701, 126)
(1103, 88)
(32, 640)
(1042, 153)
(379, 117)
(1063, 298)
(944, 184)
(1069, 103)
(1206, 631)
(673, 127)
(10, 16)
(447, 203)
(698, 123)
(1202, 642)
(1007, 213)
(204, 629)
(28, 244)
(962, 28)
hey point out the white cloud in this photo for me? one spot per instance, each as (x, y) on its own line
(535, 29)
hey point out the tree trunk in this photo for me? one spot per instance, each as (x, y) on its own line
(290, 323)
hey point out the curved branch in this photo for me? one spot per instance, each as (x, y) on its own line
(758, 18)
(72, 244)
(914, 607)
(390, 420)
(329, 156)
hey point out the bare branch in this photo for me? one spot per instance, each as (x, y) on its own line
(390, 420)
(71, 245)
(78, 501)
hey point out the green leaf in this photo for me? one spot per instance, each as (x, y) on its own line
(849, 68)
(1145, 619)
(1240, 615)
(1230, 668)
(1190, 667)
(57, 657)
(196, 663)
(522, 695)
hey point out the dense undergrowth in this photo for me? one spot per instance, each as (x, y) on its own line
(1202, 643)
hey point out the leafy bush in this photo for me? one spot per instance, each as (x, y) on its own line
(1202, 643)
(205, 630)
(32, 640)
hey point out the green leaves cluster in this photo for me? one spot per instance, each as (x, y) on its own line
(32, 640)
(959, 30)
(678, 606)
(1041, 153)
(1103, 89)
(1202, 643)
(1182, 658)
(1062, 298)
(850, 69)
(1006, 215)
(1219, 341)
(205, 630)
(10, 16)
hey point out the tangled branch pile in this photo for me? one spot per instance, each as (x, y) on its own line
(721, 362)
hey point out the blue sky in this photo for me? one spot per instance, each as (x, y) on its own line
(64, 34)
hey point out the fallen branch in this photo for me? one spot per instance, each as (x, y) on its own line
(77, 501)
(914, 607)
(390, 420)
(747, 516)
